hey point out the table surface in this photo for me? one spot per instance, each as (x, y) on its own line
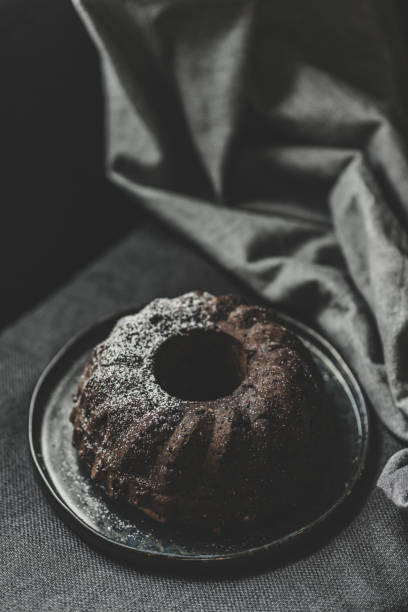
(361, 564)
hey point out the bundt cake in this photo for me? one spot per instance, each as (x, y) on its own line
(200, 409)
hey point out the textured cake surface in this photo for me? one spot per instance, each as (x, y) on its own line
(229, 454)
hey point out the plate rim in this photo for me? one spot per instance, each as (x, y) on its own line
(131, 554)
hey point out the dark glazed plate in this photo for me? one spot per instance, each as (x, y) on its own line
(129, 535)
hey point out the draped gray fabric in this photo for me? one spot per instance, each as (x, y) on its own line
(272, 134)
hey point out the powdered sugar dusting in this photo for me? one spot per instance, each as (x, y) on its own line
(130, 348)
(122, 369)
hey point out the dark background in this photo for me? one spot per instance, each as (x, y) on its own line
(58, 210)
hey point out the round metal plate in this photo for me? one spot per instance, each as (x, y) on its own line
(126, 533)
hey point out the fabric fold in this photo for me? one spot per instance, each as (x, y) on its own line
(270, 135)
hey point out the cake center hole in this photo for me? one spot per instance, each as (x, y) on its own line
(200, 366)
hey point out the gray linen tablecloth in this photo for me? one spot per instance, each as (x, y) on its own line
(44, 566)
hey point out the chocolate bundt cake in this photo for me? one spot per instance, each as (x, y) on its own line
(200, 409)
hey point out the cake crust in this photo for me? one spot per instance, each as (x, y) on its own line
(168, 434)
